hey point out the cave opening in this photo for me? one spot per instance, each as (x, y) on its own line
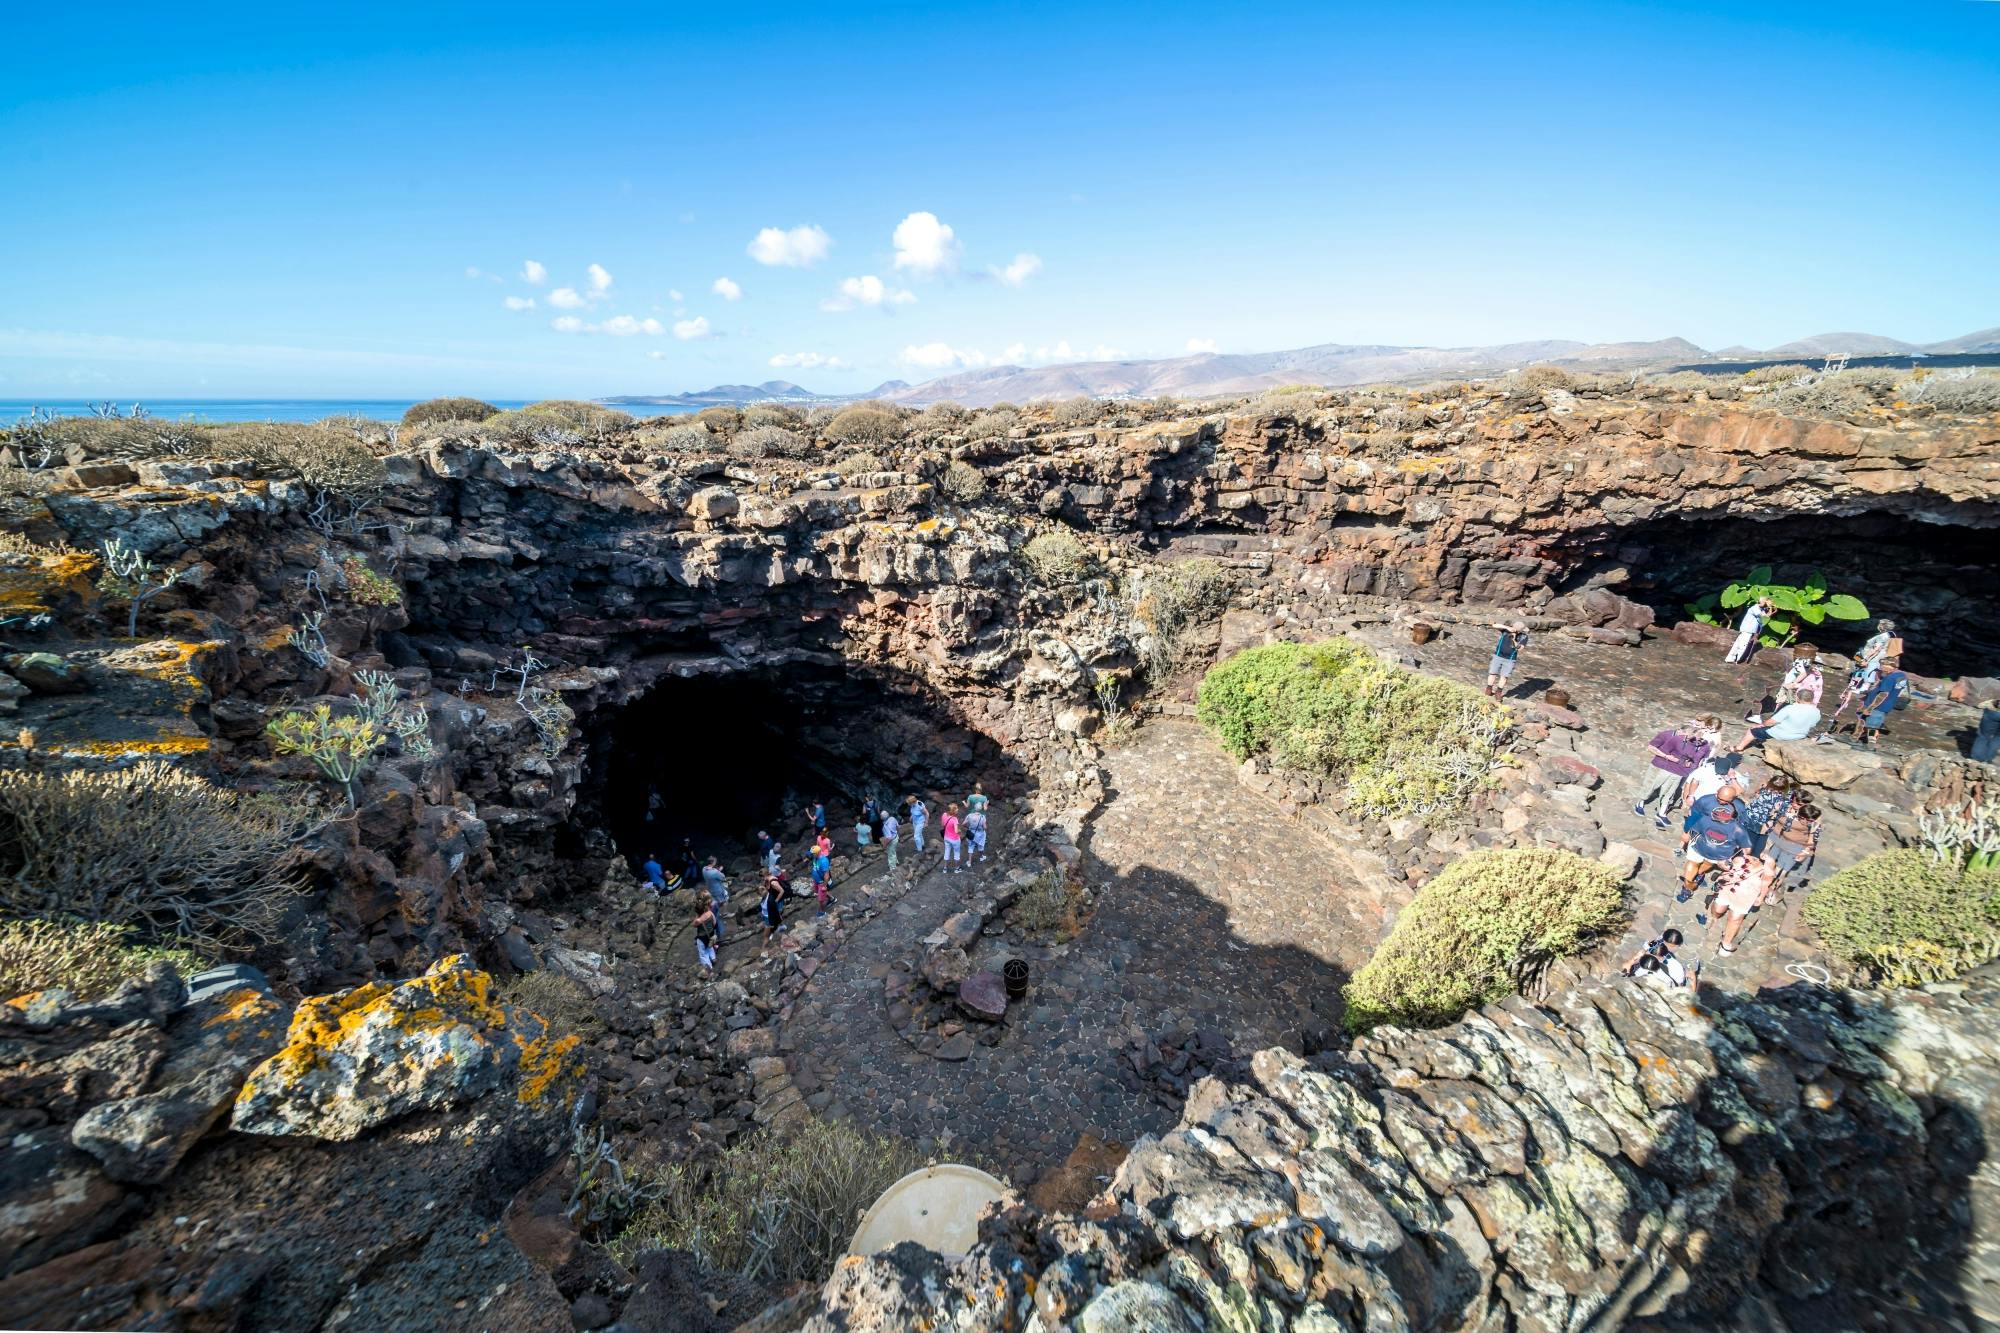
(731, 754)
(1936, 580)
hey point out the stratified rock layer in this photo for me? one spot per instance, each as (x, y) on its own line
(1617, 1158)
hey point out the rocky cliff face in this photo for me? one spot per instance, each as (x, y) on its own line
(1616, 1158)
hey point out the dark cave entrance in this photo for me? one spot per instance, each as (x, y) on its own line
(732, 754)
(1940, 582)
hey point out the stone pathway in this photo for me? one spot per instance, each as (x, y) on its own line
(1214, 915)
(1625, 695)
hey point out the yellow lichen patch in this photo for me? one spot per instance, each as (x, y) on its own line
(244, 1006)
(45, 583)
(121, 749)
(543, 1061)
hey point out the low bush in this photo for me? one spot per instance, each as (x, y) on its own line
(89, 959)
(857, 465)
(1779, 374)
(961, 481)
(725, 420)
(433, 410)
(1054, 905)
(1056, 557)
(1406, 743)
(1176, 598)
(367, 588)
(773, 414)
(1076, 412)
(1955, 391)
(687, 439)
(169, 855)
(992, 424)
(945, 418)
(562, 1002)
(1536, 379)
(1683, 381)
(775, 1207)
(594, 419)
(1843, 394)
(1293, 403)
(1905, 917)
(864, 426)
(769, 442)
(331, 462)
(1479, 931)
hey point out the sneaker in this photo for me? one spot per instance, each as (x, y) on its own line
(1724, 949)
(1638, 809)
(1683, 896)
(1659, 821)
(1701, 918)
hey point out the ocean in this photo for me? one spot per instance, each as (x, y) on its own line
(257, 409)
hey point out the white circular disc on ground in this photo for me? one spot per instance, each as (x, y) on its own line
(936, 1206)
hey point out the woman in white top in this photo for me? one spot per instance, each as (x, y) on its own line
(1754, 616)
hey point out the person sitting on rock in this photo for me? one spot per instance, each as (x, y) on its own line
(655, 873)
(1792, 722)
(1804, 682)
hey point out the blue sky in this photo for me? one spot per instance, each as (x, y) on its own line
(275, 200)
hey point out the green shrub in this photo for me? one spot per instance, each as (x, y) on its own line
(961, 481)
(594, 419)
(1407, 743)
(367, 588)
(87, 959)
(1176, 598)
(768, 442)
(1906, 917)
(992, 424)
(1056, 557)
(331, 462)
(865, 426)
(150, 847)
(1054, 905)
(1471, 936)
(447, 409)
(777, 1206)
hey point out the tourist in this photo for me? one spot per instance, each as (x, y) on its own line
(891, 836)
(707, 934)
(655, 873)
(1882, 645)
(1804, 682)
(816, 817)
(1506, 655)
(975, 819)
(1795, 838)
(718, 887)
(954, 844)
(1710, 776)
(1711, 841)
(1730, 793)
(653, 803)
(1986, 744)
(767, 851)
(1659, 960)
(772, 908)
(1793, 722)
(1749, 628)
(1770, 807)
(864, 831)
(1676, 752)
(1858, 686)
(822, 874)
(1745, 882)
(690, 863)
(871, 815)
(919, 815)
(1890, 690)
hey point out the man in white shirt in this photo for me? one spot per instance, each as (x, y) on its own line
(1793, 722)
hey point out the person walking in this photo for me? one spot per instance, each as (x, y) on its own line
(718, 889)
(690, 863)
(954, 842)
(772, 908)
(1795, 839)
(1890, 689)
(1747, 629)
(1710, 776)
(767, 851)
(1506, 655)
(816, 817)
(1676, 752)
(975, 819)
(871, 815)
(1745, 882)
(1884, 643)
(822, 874)
(1711, 841)
(1767, 810)
(919, 816)
(892, 836)
(864, 831)
(707, 934)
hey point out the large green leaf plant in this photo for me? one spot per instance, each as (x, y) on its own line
(1808, 603)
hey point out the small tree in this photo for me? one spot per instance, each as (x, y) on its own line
(128, 573)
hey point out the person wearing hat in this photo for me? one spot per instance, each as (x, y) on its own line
(1506, 655)
(1712, 839)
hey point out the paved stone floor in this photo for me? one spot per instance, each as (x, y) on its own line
(1625, 695)
(1213, 914)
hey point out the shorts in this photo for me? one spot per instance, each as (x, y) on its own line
(1739, 898)
(1502, 667)
(1786, 854)
(1695, 858)
(1875, 719)
(1758, 735)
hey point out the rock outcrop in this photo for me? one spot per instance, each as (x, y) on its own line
(1620, 1157)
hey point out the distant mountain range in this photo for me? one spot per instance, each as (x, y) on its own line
(1331, 364)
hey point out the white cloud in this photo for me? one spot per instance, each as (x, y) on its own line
(941, 356)
(472, 272)
(869, 291)
(801, 247)
(568, 324)
(533, 272)
(807, 361)
(656, 355)
(691, 330)
(1022, 354)
(625, 326)
(520, 303)
(1199, 345)
(567, 298)
(674, 295)
(723, 288)
(925, 245)
(1025, 266)
(600, 281)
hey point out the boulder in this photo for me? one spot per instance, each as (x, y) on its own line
(46, 673)
(962, 928)
(1622, 857)
(983, 996)
(1832, 767)
(946, 966)
(1700, 635)
(361, 1058)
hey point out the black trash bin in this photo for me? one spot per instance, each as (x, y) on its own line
(1015, 973)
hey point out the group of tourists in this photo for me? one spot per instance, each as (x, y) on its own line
(1875, 688)
(962, 830)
